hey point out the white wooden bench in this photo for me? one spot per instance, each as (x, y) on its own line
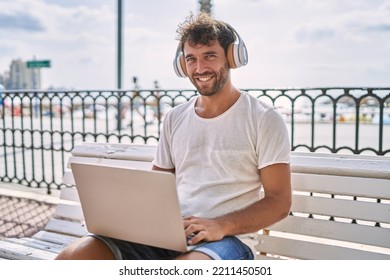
(341, 208)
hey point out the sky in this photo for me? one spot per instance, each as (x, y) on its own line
(291, 43)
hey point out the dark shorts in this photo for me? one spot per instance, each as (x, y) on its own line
(229, 248)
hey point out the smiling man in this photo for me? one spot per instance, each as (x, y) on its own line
(224, 147)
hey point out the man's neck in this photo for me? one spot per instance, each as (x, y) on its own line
(217, 104)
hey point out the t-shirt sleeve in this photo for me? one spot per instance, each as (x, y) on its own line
(273, 144)
(163, 157)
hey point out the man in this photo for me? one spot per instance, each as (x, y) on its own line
(223, 146)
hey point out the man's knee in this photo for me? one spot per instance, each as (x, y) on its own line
(87, 248)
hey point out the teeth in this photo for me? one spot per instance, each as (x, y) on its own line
(204, 79)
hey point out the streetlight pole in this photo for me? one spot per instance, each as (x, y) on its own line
(119, 58)
(205, 6)
(119, 66)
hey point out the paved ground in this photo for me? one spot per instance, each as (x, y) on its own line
(24, 211)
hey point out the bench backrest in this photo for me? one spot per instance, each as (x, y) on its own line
(333, 217)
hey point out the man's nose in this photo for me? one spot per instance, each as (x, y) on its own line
(201, 66)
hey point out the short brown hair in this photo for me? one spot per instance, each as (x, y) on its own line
(203, 30)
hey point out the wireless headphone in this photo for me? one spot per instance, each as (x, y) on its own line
(237, 55)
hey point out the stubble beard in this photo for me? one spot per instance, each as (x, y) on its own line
(222, 76)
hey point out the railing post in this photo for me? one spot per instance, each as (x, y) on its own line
(119, 114)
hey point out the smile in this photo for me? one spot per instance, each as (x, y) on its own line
(204, 79)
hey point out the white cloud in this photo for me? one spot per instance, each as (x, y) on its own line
(290, 42)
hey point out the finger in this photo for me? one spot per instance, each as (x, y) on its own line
(188, 223)
(192, 228)
(201, 236)
(189, 218)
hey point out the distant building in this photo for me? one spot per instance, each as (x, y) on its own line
(21, 77)
(4, 79)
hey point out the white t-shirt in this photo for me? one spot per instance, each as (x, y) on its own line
(217, 160)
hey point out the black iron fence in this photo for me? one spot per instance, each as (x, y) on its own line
(38, 129)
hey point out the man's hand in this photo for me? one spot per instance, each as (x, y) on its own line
(202, 229)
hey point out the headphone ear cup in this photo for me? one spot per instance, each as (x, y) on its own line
(237, 54)
(230, 56)
(179, 64)
(183, 65)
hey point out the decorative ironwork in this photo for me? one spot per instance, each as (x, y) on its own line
(38, 129)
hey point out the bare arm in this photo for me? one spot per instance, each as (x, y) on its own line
(154, 167)
(272, 208)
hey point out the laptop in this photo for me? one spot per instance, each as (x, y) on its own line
(131, 204)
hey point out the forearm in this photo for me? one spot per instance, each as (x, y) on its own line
(257, 216)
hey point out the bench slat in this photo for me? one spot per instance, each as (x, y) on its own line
(299, 249)
(14, 251)
(70, 212)
(352, 209)
(66, 227)
(341, 165)
(53, 237)
(70, 194)
(116, 151)
(38, 244)
(339, 185)
(335, 230)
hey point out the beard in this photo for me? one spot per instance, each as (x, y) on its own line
(221, 78)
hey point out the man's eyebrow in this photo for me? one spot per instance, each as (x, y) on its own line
(205, 53)
(210, 52)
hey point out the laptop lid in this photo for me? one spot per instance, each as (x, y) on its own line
(130, 204)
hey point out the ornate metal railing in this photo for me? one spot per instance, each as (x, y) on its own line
(38, 129)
